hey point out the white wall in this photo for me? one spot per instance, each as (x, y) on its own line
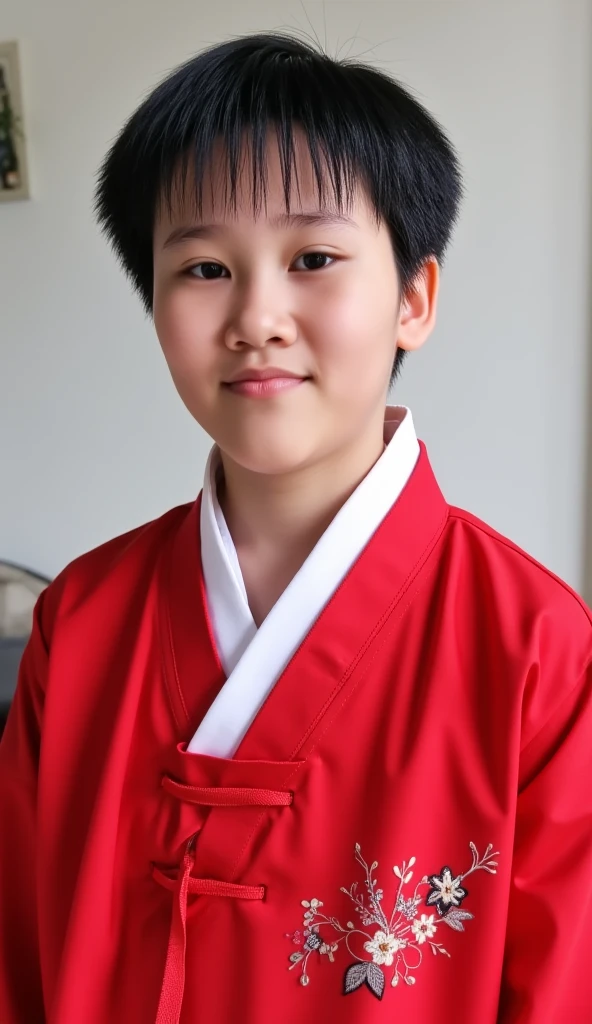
(94, 439)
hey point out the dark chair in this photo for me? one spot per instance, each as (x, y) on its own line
(11, 649)
(19, 590)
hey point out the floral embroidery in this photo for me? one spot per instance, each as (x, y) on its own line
(446, 891)
(423, 928)
(395, 941)
(383, 947)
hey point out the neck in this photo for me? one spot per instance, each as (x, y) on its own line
(276, 521)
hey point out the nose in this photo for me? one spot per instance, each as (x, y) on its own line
(260, 316)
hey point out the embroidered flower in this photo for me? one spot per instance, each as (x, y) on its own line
(314, 941)
(423, 928)
(383, 947)
(446, 891)
(394, 942)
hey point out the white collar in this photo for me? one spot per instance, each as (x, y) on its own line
(252, 658)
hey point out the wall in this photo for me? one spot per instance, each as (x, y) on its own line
(94, 439)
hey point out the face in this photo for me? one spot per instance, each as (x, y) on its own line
(317, 300)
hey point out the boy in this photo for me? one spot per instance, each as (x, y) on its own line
(316, 746)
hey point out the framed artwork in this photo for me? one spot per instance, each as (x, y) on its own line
(14, 176)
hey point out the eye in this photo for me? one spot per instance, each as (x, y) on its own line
(316, 256)
(210, 266)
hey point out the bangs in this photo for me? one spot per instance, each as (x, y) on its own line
(280, 94)
(224, 158)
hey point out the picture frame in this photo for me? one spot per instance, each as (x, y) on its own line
(14, 169)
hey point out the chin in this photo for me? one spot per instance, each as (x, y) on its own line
(269, 459)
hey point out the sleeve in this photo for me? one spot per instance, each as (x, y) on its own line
(21, 1000)
(547, 974)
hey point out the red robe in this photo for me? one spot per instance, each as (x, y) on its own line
(405, 832)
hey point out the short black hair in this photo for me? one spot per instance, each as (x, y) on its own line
(366, 125)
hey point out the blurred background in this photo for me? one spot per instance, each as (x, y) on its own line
(94, 439)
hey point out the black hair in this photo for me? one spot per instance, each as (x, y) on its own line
(369, 129)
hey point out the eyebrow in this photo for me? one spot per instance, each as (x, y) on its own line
(318, 218)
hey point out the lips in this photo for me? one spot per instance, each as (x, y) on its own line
(264, 373)
(265, 387)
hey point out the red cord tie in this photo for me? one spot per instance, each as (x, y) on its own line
(173, 982)
(228, 796)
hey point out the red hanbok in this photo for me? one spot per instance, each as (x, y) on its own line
(404, 832)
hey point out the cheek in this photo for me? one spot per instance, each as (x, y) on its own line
(356, 330)
(188, 355)
(181, 340)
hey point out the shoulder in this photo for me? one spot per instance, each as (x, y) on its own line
(118, 565)
(512, 571)
(520, 607)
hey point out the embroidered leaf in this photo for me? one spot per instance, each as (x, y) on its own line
(411, 862)
(296, 957)
(395, 980)
(454, 919)
(375, 980)
(397, 871)
(409, 981)
(408, 877)
(304, 903)
(374, 865)
(355, 976)
(408, 908)
(350, 924)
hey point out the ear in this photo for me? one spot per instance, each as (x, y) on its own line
(417, 316)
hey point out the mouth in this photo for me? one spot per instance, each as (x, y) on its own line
(264, 387)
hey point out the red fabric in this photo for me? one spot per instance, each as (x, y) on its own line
(443, 698)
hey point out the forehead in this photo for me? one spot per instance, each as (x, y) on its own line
(218, 205)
